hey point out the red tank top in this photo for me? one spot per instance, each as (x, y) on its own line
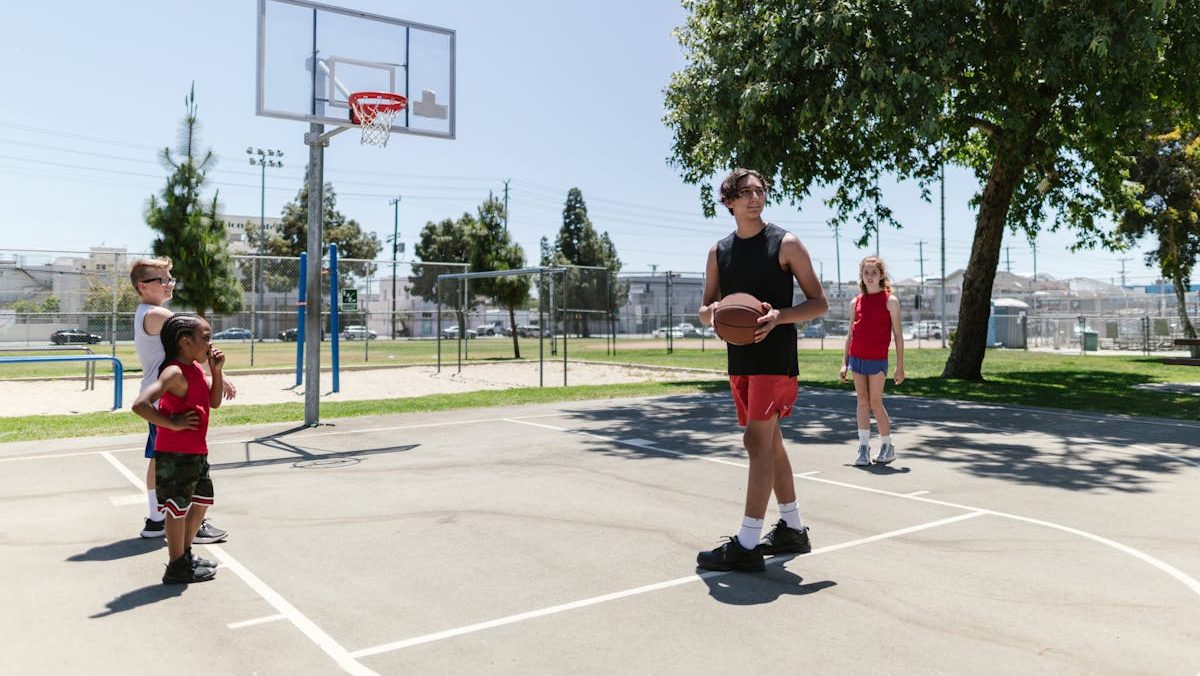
(191, 442)
(872, 330)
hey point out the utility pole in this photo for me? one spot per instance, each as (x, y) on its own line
(264, 159)
(1007, 259)
(506, 203)
(921, 287)
(1123, 270)
(837, 248)
(395, 240)
(942, 181)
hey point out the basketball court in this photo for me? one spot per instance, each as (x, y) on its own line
(562, 539)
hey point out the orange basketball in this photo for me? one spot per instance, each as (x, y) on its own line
(736, 318)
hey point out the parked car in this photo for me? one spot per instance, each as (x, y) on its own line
(358, 332)
(814, 331)
(65, 336)
(451, 333)
(662, 332)
(708, 332)
(687, 330)
(233, 334)
(496, 328)
(529, 331)
(927, 330)
(288, 335)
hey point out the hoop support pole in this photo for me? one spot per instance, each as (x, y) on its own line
(313, 138)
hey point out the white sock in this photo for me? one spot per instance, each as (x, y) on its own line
(790, 513)
(885, 440)
(864, 437)
(750, 533)
(152, 504)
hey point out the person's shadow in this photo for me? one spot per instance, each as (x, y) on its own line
(140, 597)
(749, 589)
(120, 549)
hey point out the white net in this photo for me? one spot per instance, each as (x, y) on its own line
(376, 115)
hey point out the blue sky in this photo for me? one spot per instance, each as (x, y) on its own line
(551, 95)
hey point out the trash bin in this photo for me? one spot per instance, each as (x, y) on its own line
(1091, 341)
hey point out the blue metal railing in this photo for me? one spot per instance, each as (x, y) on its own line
(118, 368)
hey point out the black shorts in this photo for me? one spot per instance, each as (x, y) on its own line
(181, 478)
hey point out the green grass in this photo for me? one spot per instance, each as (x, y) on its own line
(1103, 384)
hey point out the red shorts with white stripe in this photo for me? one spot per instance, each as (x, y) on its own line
(763, 397)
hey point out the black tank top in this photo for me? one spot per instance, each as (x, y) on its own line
(752, 266)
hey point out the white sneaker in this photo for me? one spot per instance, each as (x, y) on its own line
(887, 453)
(864, 456)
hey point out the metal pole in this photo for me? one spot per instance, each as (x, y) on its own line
(566, 327)
(541, 331)
(300, 308)
(312, 351)
(942, 181)
(335, 309)
(112, 321)
(395, 243)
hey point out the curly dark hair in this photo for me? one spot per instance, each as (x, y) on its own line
(175, 328)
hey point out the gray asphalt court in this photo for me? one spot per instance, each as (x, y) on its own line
(561, 538)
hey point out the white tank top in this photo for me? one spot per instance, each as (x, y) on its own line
(149, 347)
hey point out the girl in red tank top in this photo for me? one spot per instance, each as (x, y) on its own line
(181, 465)
(874, 321)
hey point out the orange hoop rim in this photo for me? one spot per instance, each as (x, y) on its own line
(386, 102)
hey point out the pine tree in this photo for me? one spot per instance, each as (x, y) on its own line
(579, 244)
(190, 233)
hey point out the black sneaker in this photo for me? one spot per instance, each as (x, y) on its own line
(199, 561)
(786, 540)
(180, 571)
(154, 529)
(732, 556)
(209, 534)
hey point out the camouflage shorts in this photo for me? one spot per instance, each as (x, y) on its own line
(182, 479)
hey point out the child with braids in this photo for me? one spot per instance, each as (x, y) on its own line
(875, 320)
(181, 449)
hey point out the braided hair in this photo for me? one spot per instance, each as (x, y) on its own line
(175, 328)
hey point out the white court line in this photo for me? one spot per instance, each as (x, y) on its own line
(596, 600)
(324, 641)
(137, 481)
(915, 494)
(1187, 580)
(257, 620)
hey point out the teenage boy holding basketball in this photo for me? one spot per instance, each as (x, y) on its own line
(762, 260)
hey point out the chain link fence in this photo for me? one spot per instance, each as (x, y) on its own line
(65, 297)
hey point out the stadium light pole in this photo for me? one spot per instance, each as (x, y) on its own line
(262, 158)
(395, 244)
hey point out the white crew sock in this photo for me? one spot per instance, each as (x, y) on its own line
(885, 440)
(750, 533)
(152, 505)
(790, 513)
(864, 437)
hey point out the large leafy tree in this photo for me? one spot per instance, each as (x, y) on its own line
(578, 244)
(352, 241)
(1166, 173)
(1037, 98)
(493, 249)
(189, 231)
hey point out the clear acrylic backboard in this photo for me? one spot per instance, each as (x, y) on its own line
(312, 57)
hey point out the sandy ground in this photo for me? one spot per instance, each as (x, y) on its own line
(40, 397)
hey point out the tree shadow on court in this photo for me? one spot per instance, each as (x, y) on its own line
(1027, 445)
(138, 598)
(752, 589)
(122, 549)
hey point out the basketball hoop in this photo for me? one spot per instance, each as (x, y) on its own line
(375, 112)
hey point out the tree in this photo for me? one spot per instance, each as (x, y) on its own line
(190, 233)
(578, 244)
(99, 298)
(1038, 99)
(356, 247)
(1166, 175)
(493, 249)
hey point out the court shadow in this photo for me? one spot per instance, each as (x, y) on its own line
(881, 470)
(751, 589)
(137, 598)
(122, 549)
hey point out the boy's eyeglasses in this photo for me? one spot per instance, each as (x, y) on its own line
(165, 281)
(753, 192)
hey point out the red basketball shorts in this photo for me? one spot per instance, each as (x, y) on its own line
(763, 397)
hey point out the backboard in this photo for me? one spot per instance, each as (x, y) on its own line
(311, 57)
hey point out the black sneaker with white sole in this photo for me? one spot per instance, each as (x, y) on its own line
(209, 534)
(154, 529)
(786, 540)
(732, 556)
(181, 571)
(199, 561)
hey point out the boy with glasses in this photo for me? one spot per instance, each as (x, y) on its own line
(155, 286)
(762, 260)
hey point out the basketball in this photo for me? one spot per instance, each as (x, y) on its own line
(736, 318)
